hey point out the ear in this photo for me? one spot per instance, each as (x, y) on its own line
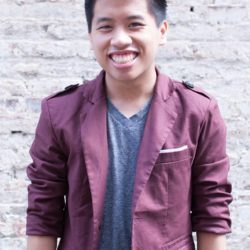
(163, 29)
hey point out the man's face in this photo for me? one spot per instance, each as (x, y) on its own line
(125, 38)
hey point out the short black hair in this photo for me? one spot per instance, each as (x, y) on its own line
(158, 8)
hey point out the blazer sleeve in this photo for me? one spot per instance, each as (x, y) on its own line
(211, 191)
(48, 186)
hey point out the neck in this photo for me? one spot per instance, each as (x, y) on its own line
(131, 95)
(134, 90)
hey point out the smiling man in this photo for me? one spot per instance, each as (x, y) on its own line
(132, 159)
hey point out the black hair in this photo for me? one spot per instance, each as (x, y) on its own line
(157, 8)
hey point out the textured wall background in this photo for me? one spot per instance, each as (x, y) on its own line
(44, 47)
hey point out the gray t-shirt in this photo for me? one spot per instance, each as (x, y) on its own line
(124, 138)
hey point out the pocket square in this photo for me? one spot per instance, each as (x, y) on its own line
(172, 150)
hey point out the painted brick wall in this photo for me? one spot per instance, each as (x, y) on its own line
(44, 47)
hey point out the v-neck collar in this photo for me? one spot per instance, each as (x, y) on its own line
(118, 116)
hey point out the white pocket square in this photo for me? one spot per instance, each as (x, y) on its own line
(172, 150)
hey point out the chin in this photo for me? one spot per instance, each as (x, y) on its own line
(125, 76)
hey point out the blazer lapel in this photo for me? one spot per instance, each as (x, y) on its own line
(160, 120)
(94, 140)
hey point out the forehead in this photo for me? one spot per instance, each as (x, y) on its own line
(120, 8)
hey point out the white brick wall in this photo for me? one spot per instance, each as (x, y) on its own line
(44, 47)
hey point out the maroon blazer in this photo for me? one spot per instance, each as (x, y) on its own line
(181, 175)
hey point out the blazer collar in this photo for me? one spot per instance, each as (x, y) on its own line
(96, 89)
(164, 87)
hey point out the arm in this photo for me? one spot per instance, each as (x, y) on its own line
(45, 213)
(208, 241)
(211, 191)
(41, 243)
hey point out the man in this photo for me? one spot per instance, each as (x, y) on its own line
(140, 158)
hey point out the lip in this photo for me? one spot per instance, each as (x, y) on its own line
(122, 52)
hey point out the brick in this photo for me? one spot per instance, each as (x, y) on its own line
(12, 243)
(33, 68)
(220, 51)
(208, 32)
(211, 14)
(42, 29)
(46, 49)
(13, 87)
(13, 124)
(10, 193)
(42, 10)
(12, 221)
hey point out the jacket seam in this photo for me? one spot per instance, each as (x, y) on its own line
(52, 128)
(176, 241)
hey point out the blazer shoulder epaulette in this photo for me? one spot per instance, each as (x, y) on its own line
(196, 89)
(66, 90)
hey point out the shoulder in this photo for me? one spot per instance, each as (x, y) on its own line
(70, 91)
(190, 89)
(192, 94)
(68, 101)
(66, 91)
(193, 100)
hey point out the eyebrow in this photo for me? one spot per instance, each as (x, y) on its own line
(103, 19)
(135, 17)
(108, 19)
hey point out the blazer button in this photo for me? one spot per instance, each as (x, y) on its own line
(188, 84)
(72, 86)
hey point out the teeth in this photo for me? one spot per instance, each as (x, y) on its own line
(123, 58)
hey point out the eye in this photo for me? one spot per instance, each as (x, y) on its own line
(136, 25)
(104, 27)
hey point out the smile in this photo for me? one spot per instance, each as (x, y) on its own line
(123, 58)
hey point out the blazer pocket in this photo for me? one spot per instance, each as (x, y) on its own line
(173, 155)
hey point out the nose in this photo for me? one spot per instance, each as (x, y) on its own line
(120, 39)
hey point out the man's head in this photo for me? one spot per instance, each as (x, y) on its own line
(157, 8)
(125, 38)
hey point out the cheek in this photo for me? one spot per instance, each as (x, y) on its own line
(146, 40)
(99, 42)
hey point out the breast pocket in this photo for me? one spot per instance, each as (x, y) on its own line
(174, 156)
(173, 169)
(174, 165)
(168, 184)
